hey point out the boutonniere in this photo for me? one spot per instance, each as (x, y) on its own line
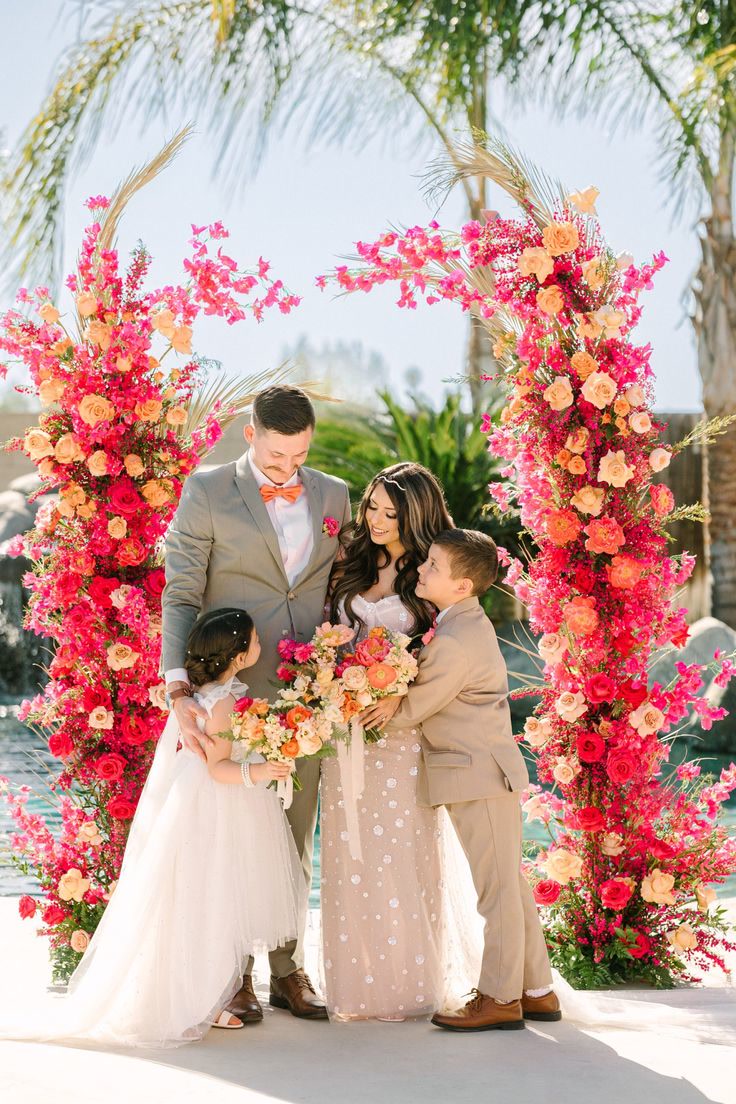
(330, 526)
(430, 632)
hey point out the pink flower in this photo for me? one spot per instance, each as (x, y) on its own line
(547, 892)
(590, 819)
(621, 767)
(330, 526)
(26, 907)
(616, 893)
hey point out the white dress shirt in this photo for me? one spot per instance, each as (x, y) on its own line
(292, 523)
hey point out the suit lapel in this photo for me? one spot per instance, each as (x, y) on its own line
(457, 610)
(316, 507)
(251, 496)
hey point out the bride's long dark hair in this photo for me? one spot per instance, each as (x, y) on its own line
(421, 513)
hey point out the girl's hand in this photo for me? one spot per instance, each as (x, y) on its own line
(380, 713)
(269, 772)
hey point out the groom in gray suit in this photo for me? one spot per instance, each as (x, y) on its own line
(258, 534)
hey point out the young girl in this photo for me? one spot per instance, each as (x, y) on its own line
(210, 875)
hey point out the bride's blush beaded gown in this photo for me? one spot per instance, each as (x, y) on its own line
(381, 918)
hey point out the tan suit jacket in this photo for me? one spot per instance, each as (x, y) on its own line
(459, 701)
(222, 550)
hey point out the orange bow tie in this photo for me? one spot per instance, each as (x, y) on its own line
(291, 494)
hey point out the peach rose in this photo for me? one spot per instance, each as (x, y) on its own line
(37, 444)
(611, 844)
(536, 809)
(577, 441)
(123, 364)
(704, 895)
(133, 465)
(535, 261)
(101, 718)
(97, 463)
(87, 510)
(117, 527)
(552, 647)
(584, 201)
(658, 888)
(562, 866)
(309, 743)
(599, 389)
(537, 732)
(157, 696)
(571, 705)
(49, 313)
(149, 411)
(560, 237)
(584, 364)
(176, 416)
(640, 422)
(614, 470)
(609, 320)
(97, 333)
(181, 339)
(94, 409)
(659, 459)
(565, 770)
(72, 886)
(588, 500)
(646, 719)
(156, 492)
(634, 395)
(50, 391)
(67, 449)
(163, 321)
(581, 616)
(79, 941)
(594, 273)
(559, 393)
(577, 466)
(621, 407)
(683, 938)
(354, 678)
(86, 303)
(550, 299)
(121, 656)
(89, 833)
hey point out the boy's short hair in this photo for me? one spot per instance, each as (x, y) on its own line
(283, 408)
(473, 555)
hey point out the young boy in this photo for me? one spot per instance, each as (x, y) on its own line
(472, 765)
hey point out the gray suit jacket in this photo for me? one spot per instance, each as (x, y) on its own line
(222, 550)
(459, 700)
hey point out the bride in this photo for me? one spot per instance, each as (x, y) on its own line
(382, 907)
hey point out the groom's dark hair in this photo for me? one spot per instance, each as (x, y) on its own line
(283, 408)
(473, 555)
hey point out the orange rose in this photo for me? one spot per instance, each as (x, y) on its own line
(98, 334)
(156, 492)
(381, 676)
(577, 441)
(86, 303)
(176, 416)
(149, 411)
(562, 526)
(594, 274)
(291, 748)
(67, 449)
(350, 708)
(181, 339)
(49, 313)
(563, 458)
(577, 466)
(117, 527)
(559, 393)
(50, 391)
(97, 463)
(588, 327)
(535, 261)
(134, 465)
(599, 389)
(123, 364)
(560, 237)
(550, 299)
(94, 409)
(584, 364)
(37, 444)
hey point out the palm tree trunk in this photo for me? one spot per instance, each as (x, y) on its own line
(479, 361)
(715, 327)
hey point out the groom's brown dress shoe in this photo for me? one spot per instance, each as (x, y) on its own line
(296, 994)
(245, 1004)
(482, 1013)
(541, 1008)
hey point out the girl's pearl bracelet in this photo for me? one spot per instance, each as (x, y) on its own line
(245, 773)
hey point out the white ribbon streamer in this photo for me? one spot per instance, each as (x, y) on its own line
(285, 790)
(351, 762)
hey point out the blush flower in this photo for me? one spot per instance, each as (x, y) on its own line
(559, 393)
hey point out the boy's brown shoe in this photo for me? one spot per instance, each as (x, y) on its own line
(482, 1013)
(541, 1008)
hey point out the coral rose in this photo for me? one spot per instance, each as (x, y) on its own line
(535, 261)
(562, 526)
(546, 892)
(577, 466)
(588, 500)
(86, 303)
(550, 300)
(94, 409)
(79, 941)
(662, 498)
(658, 888)
(72, 886)
(659, 459)
(581, 616)
(562, 865)
(68, 450)
(97, 463)
(26, 907)
(559, 393)
(584, 201)
(560, 237)
(616, 893)
(584, 364)
(624, 572)
(605, 536)
(381, 676)
(120, 656)
(683, 938)
(599, 389)
(37, 444)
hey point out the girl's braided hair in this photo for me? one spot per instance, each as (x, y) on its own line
(216, 638)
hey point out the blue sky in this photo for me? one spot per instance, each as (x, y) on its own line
(308, 203)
